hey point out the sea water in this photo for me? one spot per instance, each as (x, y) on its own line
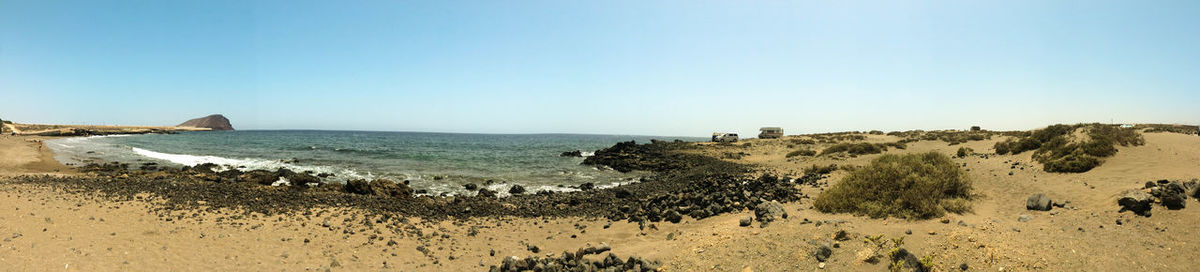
(436, 162)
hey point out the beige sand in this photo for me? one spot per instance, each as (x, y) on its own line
(84, 233)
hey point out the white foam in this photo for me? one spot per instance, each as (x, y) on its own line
(249, 164)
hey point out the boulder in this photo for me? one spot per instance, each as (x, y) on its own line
(1038, 202)
(1137, 201)
(303, 180)
(587, 186)
(769, 211)
(745, 222)
(673, 216)
(470, 186)
(516, 189)
(262, 177)
(484, 192)
(822, 253)
(907, 261)
(575, 153)
(1173, 194)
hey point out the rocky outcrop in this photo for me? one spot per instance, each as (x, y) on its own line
(214, 122)
(378, 187)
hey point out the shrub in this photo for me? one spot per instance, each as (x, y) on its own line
(913, 186)
(1002, 147)
(804, 141)
(897, 145)
(821, 170)
(802, 152)
(1060, 151)
(855, 148)
(964, 151)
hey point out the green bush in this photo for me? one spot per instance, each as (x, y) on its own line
(802, 152)
(913, 186)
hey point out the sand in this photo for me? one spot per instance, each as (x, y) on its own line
(47, 229)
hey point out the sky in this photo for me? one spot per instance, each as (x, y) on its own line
(677, 68)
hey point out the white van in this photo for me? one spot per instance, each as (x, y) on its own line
(724, 137)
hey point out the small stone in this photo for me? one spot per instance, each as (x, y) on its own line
(822, 253)
(909, 232)
(745, 221)
(1024, 218)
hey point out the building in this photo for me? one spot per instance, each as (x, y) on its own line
(770, 133)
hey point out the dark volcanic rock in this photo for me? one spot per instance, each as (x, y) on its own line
(575, 153)
(1038, 202)
(567, 261)
(378, 187)
(214, 122)
(1172, 194)
(1136, 201)
(907, 261)
(516, 189)
(822, 253)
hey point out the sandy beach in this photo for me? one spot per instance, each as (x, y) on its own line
(51, 225)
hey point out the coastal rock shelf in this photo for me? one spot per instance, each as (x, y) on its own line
(684, 184)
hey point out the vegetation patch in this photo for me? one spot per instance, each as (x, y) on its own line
(802, 152)
(953, 137)
(1072, 148)
(862, 148)
(821, 169)
(912, 186)
(964, 151)
(1181, 129)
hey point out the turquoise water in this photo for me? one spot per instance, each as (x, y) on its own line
(438, 162)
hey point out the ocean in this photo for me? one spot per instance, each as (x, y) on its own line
(436, 162)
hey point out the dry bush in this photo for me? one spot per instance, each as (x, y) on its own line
(913, 186)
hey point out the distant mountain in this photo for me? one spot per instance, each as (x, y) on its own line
(215, 122)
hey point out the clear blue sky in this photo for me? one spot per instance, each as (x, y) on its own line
(613, 67)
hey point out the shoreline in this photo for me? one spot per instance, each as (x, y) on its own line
(102, 221)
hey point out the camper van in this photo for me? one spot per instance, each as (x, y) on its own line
(770, 133)
(724, 137)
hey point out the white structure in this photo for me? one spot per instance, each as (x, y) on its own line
(770, 132)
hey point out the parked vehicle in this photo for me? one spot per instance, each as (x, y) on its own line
(770, 133)
(724, 137)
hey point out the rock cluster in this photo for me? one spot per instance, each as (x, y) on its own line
(1170, 194)
(577, 261)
